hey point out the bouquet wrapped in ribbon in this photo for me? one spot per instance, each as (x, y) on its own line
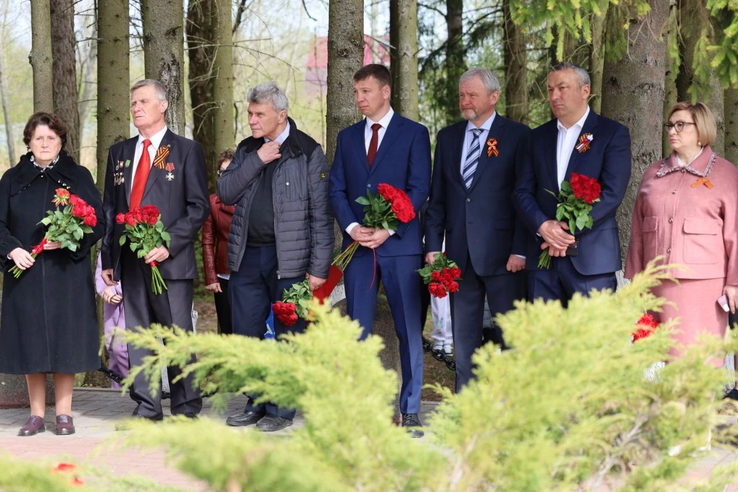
(575, 204)
(644, 327)
(441, 276)
(294, 303)
(385, 209)
(67, 224)
(145, 231)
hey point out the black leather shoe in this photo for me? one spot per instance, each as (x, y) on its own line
(243, 419)
(732, 394)
(64, 425)
(34, 425)
(270, 423)
(191, 415)
(413, 425)
(153, 419)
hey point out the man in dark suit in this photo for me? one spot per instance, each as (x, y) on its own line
(384, 148)
(476, 163)
(163, 169)
(577, 140)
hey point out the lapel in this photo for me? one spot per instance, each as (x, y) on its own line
(456, 148)
(590, 125)
(360, 146)
(393, 131)
(26, 173)
(155, 171)
(129, 152)
(496, 131)
(550, 136)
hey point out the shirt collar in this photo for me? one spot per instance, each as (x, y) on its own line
(681, 163)
(579, 124)
(282, 136)
(156, 138)
(485, 126)
(385, 121)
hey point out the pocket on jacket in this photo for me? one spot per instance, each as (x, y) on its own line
(294, 185)
(650, 238)
(703, 241)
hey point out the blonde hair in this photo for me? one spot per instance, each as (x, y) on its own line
(703, 118)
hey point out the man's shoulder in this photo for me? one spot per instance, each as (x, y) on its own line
(118, 146)
(412, 125)
(351, 128)
(609, 125)
(452, 129)
(306, 143)
(515, 126)
(548, 126)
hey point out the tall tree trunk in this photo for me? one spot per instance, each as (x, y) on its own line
(633, 94)
(40, 58)
(404, 56)
(455, 65)
(223, 81)
(731, 125)
(164, 53)
(671, 95)
(64, 71)
(696, 21)
(516, 69)
(87, 85)
(597, 56)
(113, 75)
(12, 157)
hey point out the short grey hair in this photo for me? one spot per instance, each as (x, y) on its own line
(159, 89)
(268, 92)
(581, 73)
(488, 78)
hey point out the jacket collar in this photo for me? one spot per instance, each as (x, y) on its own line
(63, 172)
(702, 166)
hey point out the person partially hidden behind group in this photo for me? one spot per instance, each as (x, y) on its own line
(48, 323)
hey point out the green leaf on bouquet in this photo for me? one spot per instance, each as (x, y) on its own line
(582, 221)
(122, 240)
(362, 200)
(78, 234)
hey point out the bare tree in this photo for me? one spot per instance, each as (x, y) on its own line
(40, 57)
(516, 69)
(223, 78)
(404, 56)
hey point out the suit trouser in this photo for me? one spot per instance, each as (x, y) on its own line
(142, 308)
(253, 289)
(223, 308)
(402, 285)
(467, 312)
(562, 280)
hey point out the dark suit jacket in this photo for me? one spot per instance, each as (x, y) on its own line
(182, 201)
(479, 222)
(607, 160)
(402, 161)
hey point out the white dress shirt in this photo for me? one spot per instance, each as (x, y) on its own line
(681, 163)
(282, 136)
(155, 143)
(565, 143)
(469, 136)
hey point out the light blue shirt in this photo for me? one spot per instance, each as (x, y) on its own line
(282, 136)
(469, 136)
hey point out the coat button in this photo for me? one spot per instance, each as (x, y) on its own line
(673, 192)
(287, 183)
(468, 200)
(671, 220)
(668, 250)
(683, 170)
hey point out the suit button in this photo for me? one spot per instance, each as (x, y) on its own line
(671, 220)
(368, 186)
(668, 250)
(468, 200)
(673, 192)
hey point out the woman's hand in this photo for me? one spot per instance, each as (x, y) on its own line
(22, 258)
(52, 245)
(215, 287)
(111, 297)
(731, 292)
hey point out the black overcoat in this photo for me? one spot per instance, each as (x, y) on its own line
(48, 321)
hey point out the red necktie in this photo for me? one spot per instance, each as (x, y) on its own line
(142, 174)
(373, 144)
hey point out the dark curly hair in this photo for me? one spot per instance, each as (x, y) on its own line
(226, 155)
(45, 119)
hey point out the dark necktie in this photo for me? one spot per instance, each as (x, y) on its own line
(373, 144)
(142, 175)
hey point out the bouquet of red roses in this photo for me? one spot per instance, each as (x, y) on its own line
(145, 231)
(66, 226)
(645, 326)
(386, 209)
(575, 203)
(441, 276)
(294, 303)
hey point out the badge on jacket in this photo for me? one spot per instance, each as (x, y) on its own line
(584, 142)
(170, 171)
(161, 156)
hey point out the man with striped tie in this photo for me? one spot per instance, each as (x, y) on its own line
(160, 168)
(476, 163)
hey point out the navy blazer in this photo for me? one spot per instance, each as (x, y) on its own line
(480, 222)
(403, 161)
(608, 160)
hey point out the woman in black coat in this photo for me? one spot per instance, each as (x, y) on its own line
(48, 322)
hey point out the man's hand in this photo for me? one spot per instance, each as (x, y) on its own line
(515, 263)
(111, 297)
(107, 276)
(22, 258)
(430, 256)
(157, 254)
(360, 233)
(555, 233)
(376, 239)
(215, 287)
(731, 292)
(553, 252)
(269, 152)
(51, 245)
(315, 282)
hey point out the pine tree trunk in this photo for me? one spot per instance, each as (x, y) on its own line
(633, 94)
(455, 65)
(113, 75)
(404, 57)
(731, 125)
(597, 57)
(516, 69)
(64, 71)
(41, 58)
(223, 82)
(164, 53)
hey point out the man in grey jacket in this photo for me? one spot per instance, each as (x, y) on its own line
(282, 229)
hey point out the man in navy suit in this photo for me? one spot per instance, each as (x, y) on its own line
(476, 163)
(384, 148)
(587, 259)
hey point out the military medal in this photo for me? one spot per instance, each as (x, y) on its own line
(170, 166)
(492, 147)
(128, 163)
(160, 157)
(584, 142)
(170, 176)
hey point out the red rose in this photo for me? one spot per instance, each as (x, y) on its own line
(646, 326)
(435, 275)
(120, 218)
(388, 192)
(74, 200)
(455, 272)
(585, 188)
(78, 210)
(437, 290)
(91, 220)
(131, 219)
(453, 287)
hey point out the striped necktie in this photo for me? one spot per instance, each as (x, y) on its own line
(472, 157)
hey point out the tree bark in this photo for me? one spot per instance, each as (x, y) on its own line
(164, 53)
(113, 75)
(404, 57)
(731, 125)
(41, 58)
(516, 68)
(64, 70)
(455, 65)
(223, 81)
(12, 157)
(597, 56)
(633, 94)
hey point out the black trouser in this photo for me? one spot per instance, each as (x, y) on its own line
(223, 308)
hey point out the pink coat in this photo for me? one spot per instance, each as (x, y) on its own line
(690, 216)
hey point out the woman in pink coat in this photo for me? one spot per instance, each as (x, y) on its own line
(687, 211)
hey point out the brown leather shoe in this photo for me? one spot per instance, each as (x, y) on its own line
(34, 425)
(64, 425)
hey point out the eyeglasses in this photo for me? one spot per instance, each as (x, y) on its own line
(677, 125)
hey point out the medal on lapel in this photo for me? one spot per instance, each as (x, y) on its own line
(584, 142)
(492, 149)
(160, 157)
(169, 168)
(127, 164)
